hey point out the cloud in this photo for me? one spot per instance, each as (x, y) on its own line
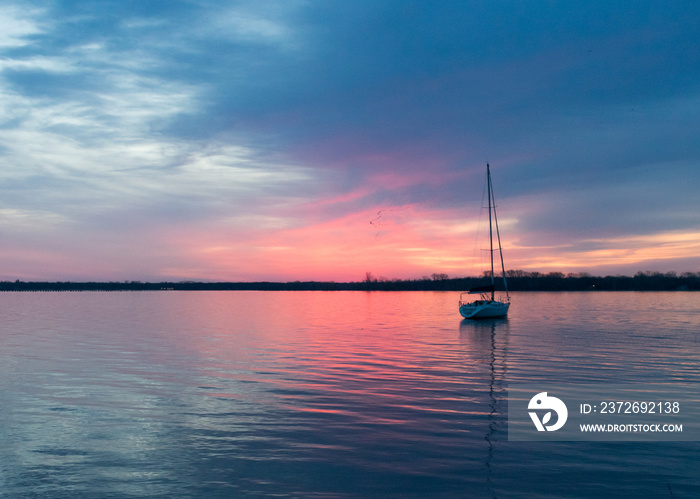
(18, 26)
(622, 254)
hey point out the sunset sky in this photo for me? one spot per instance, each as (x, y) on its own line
(320, 140)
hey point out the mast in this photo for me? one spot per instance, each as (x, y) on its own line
(489, 189)
(498, 233)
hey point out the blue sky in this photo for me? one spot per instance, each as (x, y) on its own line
(321, 140)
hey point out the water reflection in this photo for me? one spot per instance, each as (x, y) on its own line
(483, 335)
(315, 394)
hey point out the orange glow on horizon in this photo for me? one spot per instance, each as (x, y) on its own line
(404, 242)
(616, 251)
(409, 242)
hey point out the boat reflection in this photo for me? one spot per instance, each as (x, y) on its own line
(489, 339)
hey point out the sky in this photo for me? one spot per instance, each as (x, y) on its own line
(320, 140)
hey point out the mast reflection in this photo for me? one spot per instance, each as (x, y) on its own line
(487, 340)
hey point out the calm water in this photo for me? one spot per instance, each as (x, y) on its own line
(325, 394)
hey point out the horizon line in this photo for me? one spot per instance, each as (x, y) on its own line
(432, 277)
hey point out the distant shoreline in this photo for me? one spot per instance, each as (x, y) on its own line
(519, 281)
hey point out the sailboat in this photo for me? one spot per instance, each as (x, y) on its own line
(487, 306)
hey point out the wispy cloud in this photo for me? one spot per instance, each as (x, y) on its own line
(18, 25)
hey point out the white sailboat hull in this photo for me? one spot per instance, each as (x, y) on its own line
(484, 309)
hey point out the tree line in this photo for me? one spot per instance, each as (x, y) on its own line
(518, 280)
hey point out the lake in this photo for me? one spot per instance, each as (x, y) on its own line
(326, 394)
